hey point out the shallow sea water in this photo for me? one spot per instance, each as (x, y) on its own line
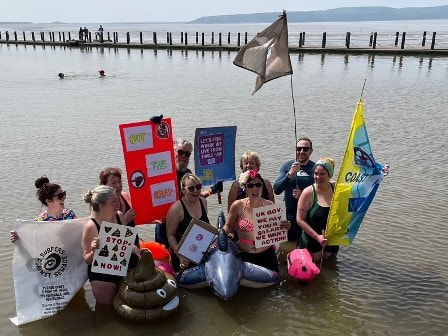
(391, 281)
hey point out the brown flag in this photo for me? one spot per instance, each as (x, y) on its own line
(267, 54)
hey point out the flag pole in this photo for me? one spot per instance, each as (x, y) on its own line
(323, 251)
(363, 86)
(295, 118)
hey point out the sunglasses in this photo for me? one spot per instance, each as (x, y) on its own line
(250, 185)
(181, 152)
(305, 149)
(192, 188)
(61, 195)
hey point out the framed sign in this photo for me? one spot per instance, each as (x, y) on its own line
(267, 225)
(150, 168)
(116, 241)
(196, 240)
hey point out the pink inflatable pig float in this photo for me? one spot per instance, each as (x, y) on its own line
(301, 266)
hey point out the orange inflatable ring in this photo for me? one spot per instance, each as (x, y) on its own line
(159, 251)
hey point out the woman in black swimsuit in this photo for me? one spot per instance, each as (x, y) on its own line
(313, 208)
(180, 215)
(103, 203)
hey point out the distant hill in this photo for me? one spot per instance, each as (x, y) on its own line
(337, 14)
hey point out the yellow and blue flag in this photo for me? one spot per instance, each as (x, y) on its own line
(358, 181)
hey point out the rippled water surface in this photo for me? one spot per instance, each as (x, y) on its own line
(392, 281)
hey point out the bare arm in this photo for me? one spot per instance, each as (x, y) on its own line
(232, 217)
(90, 241)
(268, 185)
(233, 193)
(130, 214)
(173, 218)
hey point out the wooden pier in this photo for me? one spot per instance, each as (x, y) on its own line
(219, 42)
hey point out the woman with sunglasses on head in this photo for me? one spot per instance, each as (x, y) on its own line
(241, 219)
(52, 197)
(191, 205)
(249, 161)
(313, 208)
(103, 203)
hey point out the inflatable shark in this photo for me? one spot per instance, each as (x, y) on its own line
(223, 271)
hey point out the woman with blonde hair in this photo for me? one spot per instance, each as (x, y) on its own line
(191, 205)
(104, 209)
(249, 161)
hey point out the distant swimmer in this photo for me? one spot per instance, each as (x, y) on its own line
(102, 73)
(61, 75)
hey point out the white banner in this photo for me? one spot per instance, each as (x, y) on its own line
(267, 229)
(116, 242)
(48, 267)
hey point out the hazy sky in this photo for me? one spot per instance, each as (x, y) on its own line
(172, 10)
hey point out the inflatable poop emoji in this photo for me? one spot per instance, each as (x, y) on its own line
(146, 294)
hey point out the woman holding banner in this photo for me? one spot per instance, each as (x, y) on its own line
(52, 197)
(313, 208)
(180, 214)
(104, 208)
(241, 219)
(249, 161)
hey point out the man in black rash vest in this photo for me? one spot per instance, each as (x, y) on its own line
(293, 177)
(182, 152)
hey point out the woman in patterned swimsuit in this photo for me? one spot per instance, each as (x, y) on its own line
(240, 218)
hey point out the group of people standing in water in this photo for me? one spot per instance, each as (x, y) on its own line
(307, 194)
(296, 177)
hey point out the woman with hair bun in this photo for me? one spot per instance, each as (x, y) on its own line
(52, 197)
(103, 203)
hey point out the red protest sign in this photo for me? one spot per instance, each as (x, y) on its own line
(150, 168)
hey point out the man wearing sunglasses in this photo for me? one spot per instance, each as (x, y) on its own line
(293, 177)
(182, 152)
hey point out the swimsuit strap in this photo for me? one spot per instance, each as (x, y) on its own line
(96, 223)
(185, 208)
(315, 205)
(244, 208)
(202, 207)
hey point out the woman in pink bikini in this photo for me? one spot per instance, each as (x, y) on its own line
(240, 218)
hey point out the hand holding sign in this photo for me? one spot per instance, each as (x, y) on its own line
(113, 249)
